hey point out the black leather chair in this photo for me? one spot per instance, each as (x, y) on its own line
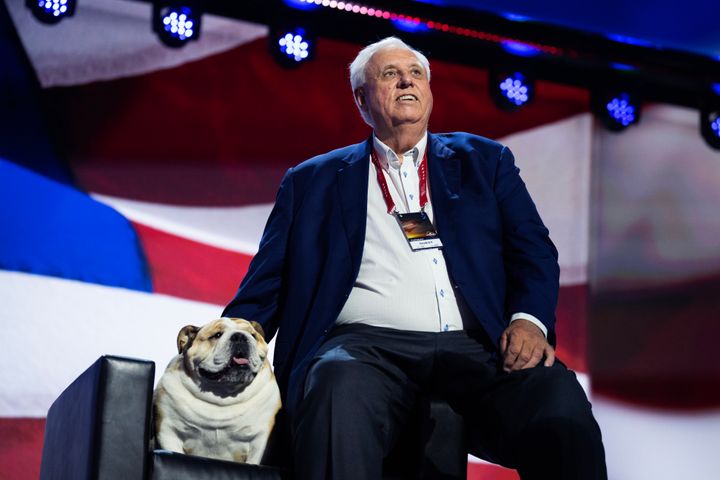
(100, 428)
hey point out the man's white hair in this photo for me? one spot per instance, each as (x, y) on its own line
(359, 65)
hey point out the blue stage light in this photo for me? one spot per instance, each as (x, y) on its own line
(176, 23)
(616, 109)
(710, 125)
(294, 46)
(511, 90)
(622, 109)
(51, 11)
(515, 90)
(179, 23)
(291, 46)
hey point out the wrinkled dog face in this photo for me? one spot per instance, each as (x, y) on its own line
(223, 356)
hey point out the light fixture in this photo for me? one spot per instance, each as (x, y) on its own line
(291, 46)
(617, 109)
(176, 23)
(511, 89)
(51, 11)
(710, 126)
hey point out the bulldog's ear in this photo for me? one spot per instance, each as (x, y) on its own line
(258, 328)
(186, 336)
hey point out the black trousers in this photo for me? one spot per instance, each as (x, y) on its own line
(364, 380)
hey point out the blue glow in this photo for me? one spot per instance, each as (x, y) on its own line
(623, 66)
(715, 123)
(54, 8)
(515, 17)
(520, 49)
(515, 89)
(715, 88)
(179, 22)
(301, 4)
(410, 26)
(622, 110)
(630, 40)
(295, 46)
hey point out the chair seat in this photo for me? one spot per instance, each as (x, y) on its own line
(100, 428)
(176, 466)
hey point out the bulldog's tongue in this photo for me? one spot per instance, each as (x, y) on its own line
(241, 361)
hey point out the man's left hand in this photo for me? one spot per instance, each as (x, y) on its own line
(523, 345)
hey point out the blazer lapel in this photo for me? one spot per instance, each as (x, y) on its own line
(352, 183)
(444, 170)
(444, 173)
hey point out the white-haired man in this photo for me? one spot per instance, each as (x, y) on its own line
(415, 263)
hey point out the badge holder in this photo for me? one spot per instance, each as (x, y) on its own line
(418, 230)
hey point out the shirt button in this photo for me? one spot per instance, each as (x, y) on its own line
(412, 196)
(435, 261)
(446, 327)
(442, 292)
(405, 174)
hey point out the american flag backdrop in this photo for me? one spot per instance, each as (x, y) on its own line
(135, 181)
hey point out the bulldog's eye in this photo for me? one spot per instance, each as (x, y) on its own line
(216, 336)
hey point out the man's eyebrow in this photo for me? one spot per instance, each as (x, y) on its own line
(392, 65)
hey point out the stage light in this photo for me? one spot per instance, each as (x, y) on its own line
(51, 11)
(176, 24)
(410, 23)
(512, 90)
(710, 126)
(616, 110)
(294, 46)
(291, 47)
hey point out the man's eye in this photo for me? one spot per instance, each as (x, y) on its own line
(390, 73)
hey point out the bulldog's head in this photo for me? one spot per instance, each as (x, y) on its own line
(224, 356)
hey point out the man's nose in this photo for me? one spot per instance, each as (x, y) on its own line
(405, 80)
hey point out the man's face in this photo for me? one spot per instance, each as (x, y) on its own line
(396, 91)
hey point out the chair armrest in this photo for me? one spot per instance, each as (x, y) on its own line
(99, 427)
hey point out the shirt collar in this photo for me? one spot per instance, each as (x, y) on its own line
(388, 158)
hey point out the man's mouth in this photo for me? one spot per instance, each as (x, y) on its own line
(407, 97)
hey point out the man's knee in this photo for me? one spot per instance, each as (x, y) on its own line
(561, 406)
(336, 373)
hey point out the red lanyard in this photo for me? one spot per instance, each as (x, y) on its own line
(422, 173)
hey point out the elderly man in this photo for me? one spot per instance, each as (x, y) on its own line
(415, 263)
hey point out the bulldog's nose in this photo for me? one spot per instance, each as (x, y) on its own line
(237, 337)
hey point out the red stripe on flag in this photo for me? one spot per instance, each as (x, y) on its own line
(21, 442)
(193, 270)
(488, 471)
(571, 327)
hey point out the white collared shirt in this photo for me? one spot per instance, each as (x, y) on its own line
(397, 287)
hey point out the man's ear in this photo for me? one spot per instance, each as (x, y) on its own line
(360, 98)
(185, 337)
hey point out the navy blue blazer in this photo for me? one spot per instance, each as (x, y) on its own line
(498, 252)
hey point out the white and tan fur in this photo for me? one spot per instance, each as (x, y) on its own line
(218, 396)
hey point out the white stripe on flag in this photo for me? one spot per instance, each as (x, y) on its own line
(642, 443)
(110, 39)
(554, 161)
(232, 228)
(54, 329)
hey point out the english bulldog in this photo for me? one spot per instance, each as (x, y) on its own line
(218, 396)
